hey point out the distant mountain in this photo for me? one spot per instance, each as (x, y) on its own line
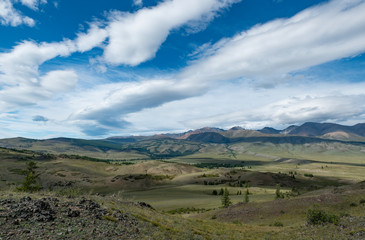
(328, 129)
(269, 130)
(208, 137)
(289, 129)
(201, 130)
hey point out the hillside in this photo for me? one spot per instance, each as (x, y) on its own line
(104, 199)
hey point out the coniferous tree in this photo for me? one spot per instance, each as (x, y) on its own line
(247, 199)
(30, 183)
(226, 201)
(278, 194)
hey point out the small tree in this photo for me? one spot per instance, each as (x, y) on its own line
(247, 199)
(30, 183)
(221, 191)
(226, 201)
(278, 194)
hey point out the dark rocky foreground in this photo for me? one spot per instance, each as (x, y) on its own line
(50, 218)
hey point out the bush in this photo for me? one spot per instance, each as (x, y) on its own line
(362, 201)
(69, 192)
(277, 224)
(110, 218)
(316, 217)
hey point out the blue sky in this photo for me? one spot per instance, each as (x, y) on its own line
(93, 69)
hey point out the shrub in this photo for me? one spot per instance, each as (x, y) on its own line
(277, 224)
(69, 192)
(308, 175)
(362, 201)
(316, 217)
(110, 218)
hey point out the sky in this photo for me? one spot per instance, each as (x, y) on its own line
(94, 69)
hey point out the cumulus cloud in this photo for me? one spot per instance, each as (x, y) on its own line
(10, 16)
(312, 37)
(135, 38)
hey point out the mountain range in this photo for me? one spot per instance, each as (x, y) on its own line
(195, 141)
(310, 129)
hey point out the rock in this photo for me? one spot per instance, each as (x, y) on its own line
(72, 212)
(145, 205)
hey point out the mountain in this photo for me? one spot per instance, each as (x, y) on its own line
(269, 130)
(201, 130)
(312, 129)
(208, 137)
(187, 143)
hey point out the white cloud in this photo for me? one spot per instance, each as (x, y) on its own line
(21, 82)
(21, 64)
(240, 104)
(33, 4)
(138, 3)
(59, 80)
(10, 16)
(135, 38)
(314, 36)
(108, 105)
(93, 38)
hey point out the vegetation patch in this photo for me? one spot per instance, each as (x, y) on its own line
(162, 177)
(187, 210)
(317, 216)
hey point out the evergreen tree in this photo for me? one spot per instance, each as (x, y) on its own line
(278, 194)
(247, 199)
(30, 183)
(221, 191)
(226, 201)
